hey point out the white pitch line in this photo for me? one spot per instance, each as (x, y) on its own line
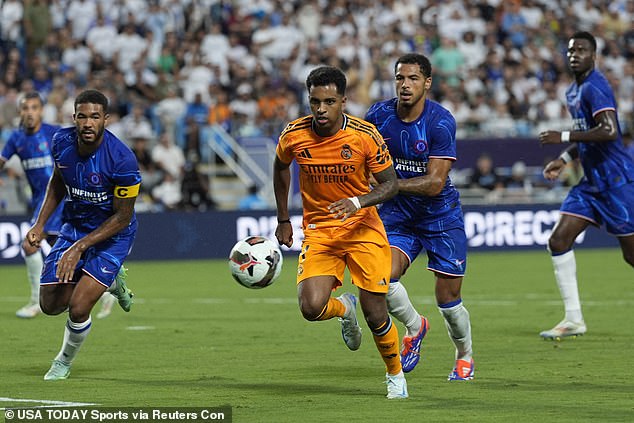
(48, 403)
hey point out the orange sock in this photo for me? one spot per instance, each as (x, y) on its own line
(386, 340)
(334, 308)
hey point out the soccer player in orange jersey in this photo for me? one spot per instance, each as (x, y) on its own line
(336, 154)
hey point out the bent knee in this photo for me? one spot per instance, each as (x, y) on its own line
(78, 313)
(311, 312)
(52, 309)
(558, 244)
(629, 258)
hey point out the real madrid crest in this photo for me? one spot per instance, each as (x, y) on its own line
(345, 152)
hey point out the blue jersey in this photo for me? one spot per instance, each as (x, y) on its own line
(34, 151)
(605, 164)
(411, 145)
(93, 181)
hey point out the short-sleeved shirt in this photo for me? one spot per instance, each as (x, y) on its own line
(605, 164)
(34, 151)
(94, 181)
(335, 167)
(412, 145)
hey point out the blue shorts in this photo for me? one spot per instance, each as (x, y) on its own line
(102, 261)
(613, 208)
(446, 248)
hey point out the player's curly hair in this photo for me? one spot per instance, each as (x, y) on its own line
(93, 97)
(585, 35)
(326, 75)
(415, 59)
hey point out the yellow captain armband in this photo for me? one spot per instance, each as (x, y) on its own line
(127, 192)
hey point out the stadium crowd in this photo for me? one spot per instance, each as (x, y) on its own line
(172, 66)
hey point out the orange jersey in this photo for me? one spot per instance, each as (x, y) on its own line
(335, 167)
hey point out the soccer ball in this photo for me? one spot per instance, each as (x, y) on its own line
(255, 262)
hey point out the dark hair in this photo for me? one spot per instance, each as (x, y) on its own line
(415, 59)
(32, 94)
(93, 97)
(584, 35)
(326, 75)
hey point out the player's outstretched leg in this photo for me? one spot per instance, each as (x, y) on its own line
(121, 290)
(350, 329)
(107, 302)
(410, 350)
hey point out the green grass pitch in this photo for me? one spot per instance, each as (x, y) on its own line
(195, 338)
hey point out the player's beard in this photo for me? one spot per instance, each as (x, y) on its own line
(96, 138)
(28, 124)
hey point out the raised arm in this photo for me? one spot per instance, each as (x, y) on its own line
(606, 130)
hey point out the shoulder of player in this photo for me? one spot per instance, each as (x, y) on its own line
(68, 133)
(297, 125)
(438, 113)
(50, 126)
(388, 106)
(115, 144)
(360, 125)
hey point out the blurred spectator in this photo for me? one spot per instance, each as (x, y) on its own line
(100, 38)
(195, 189)
(141, 80)
(128, 47)
(168, 192)
(196, 77)
(245, 105)
(484, 174)
(519, 185)
(114, 125)
(151, 176)
(9, 113)
(135, 123)
(197, 110)
(78, 57)
(220, 111)
(274, 108)
(80, 14)
(277, 42)
(169, 111)
(11, 15)
(37, 24)
(252, 201)
(514, 23)
(42, 81)
(169, 158)
(448, 62)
